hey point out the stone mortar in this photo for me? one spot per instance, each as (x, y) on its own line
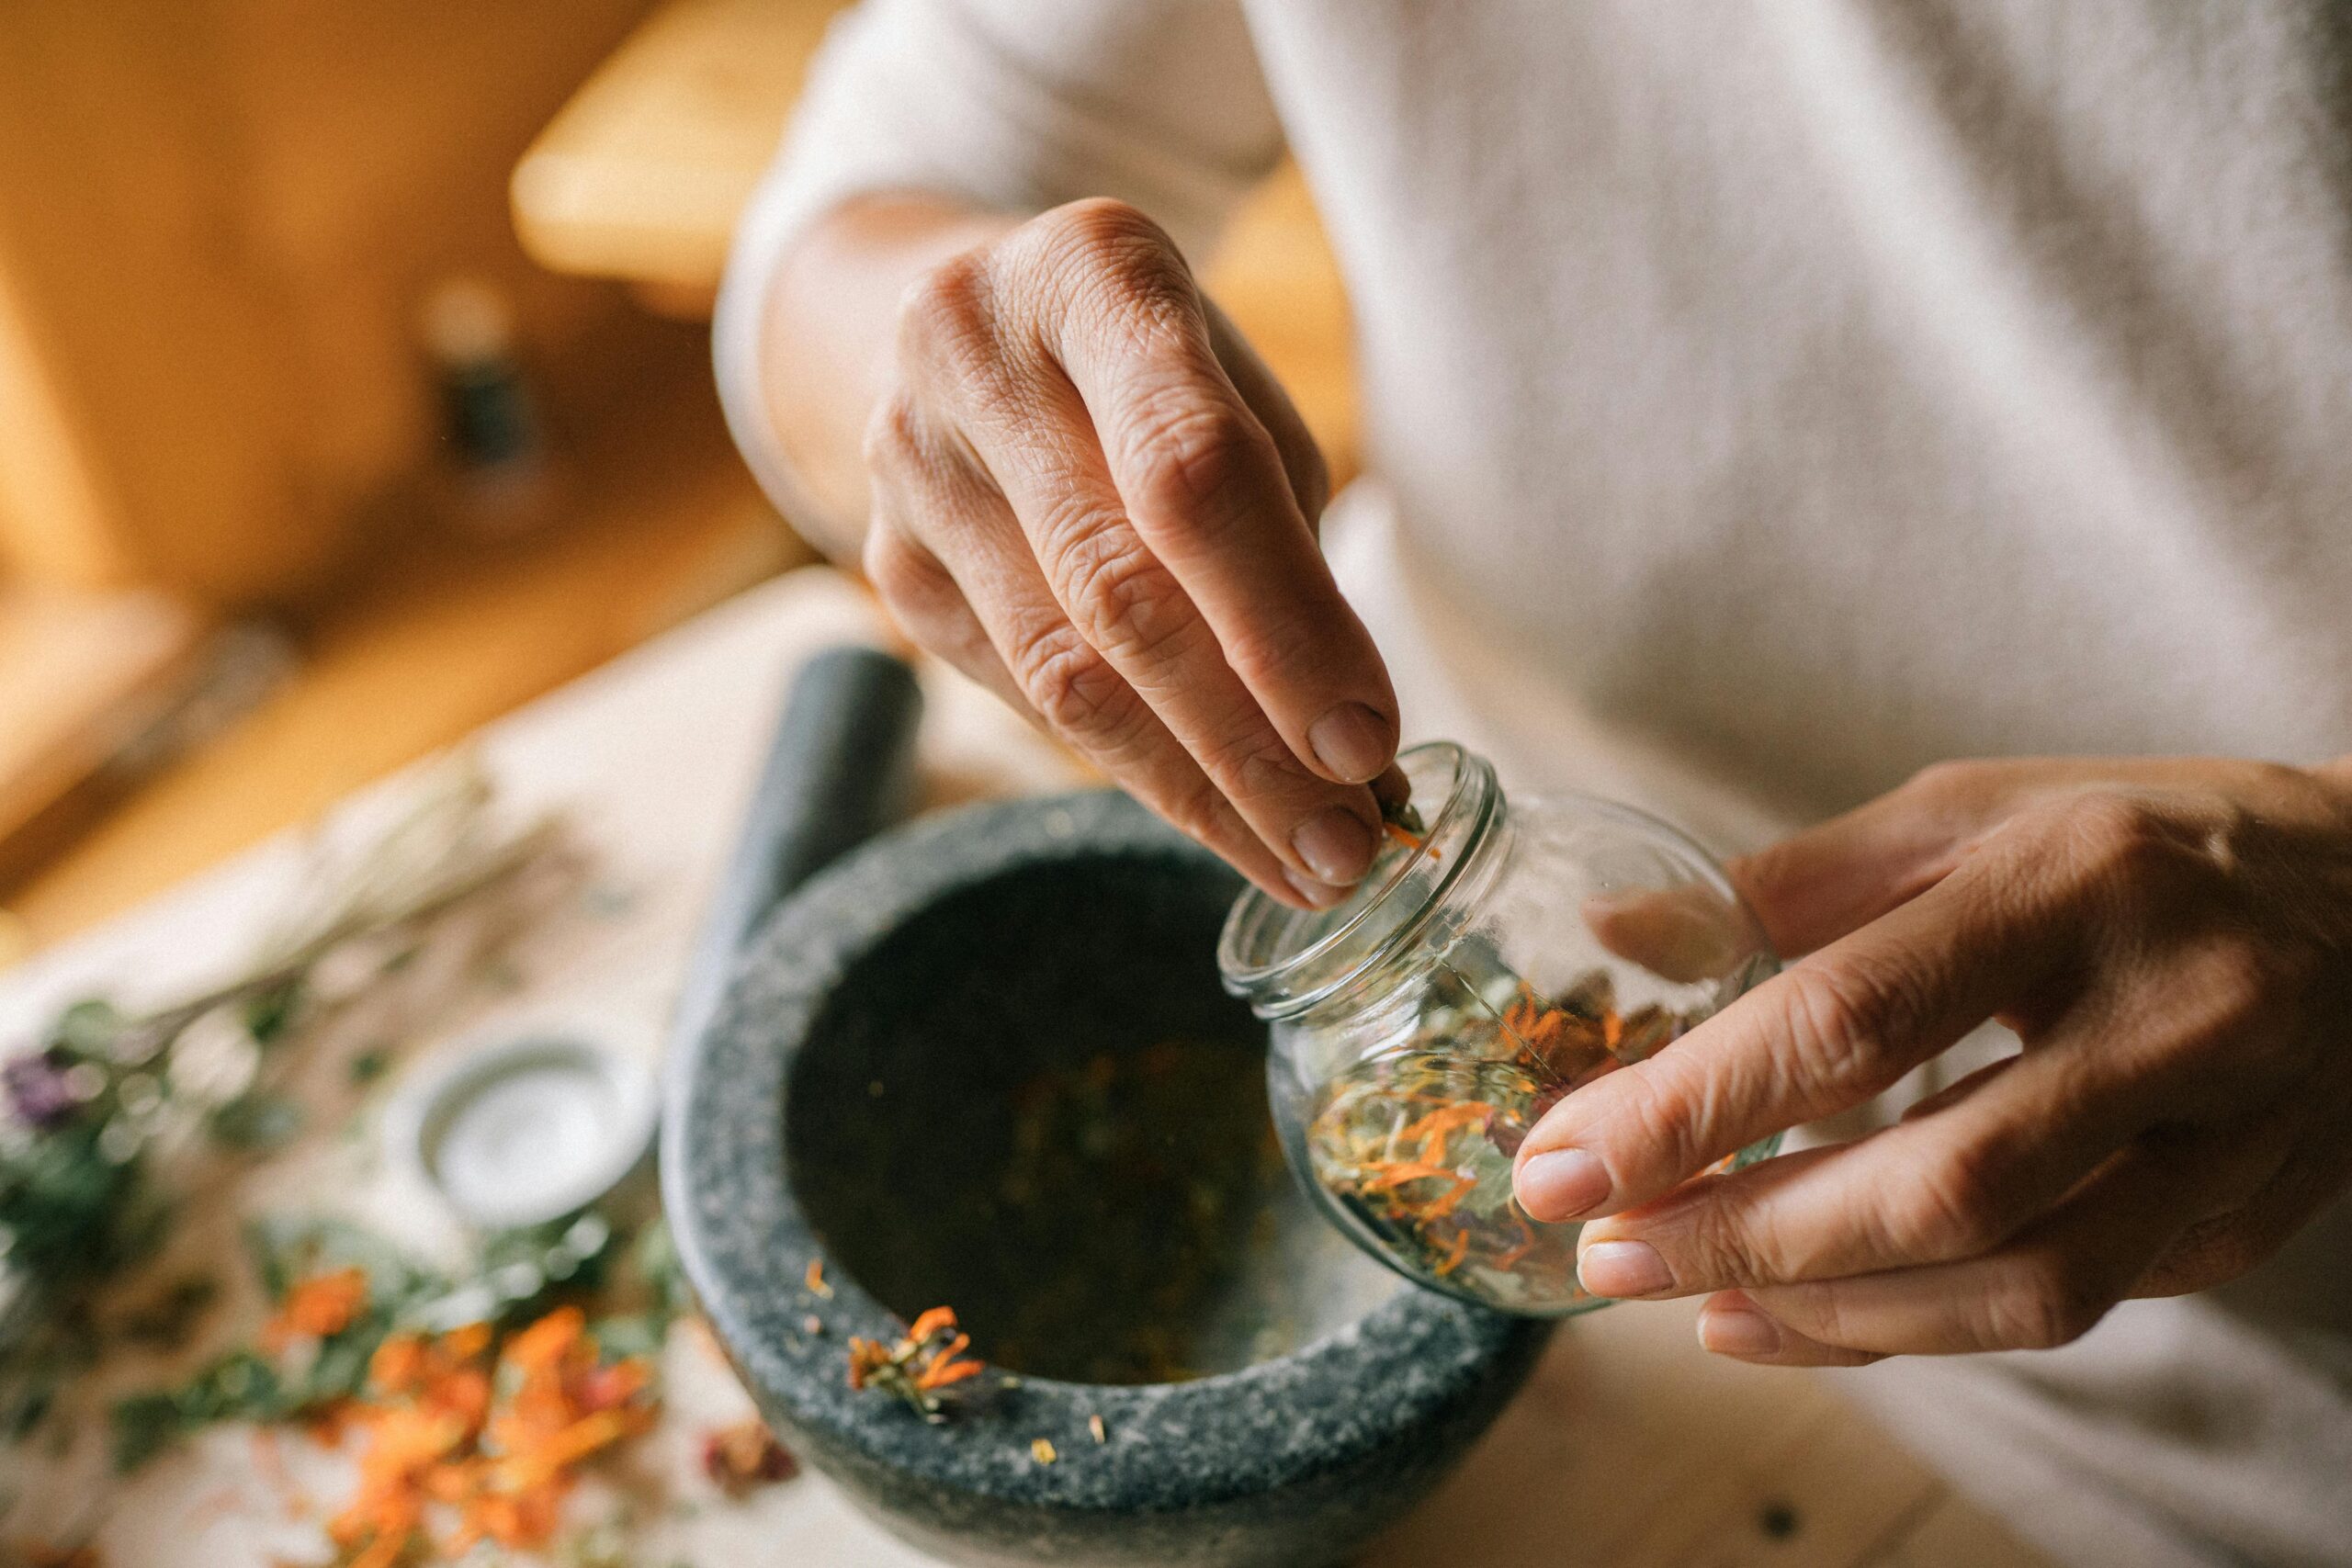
(1033, 924)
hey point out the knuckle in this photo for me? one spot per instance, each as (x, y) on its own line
(1847, 1021)
(1667, 1129)
(1821, 1311)
(2246, 1000)
(1952, 779)
(2212, 1253)
(1128, 605)
(907, 579)
(1190, 451)
(2257, 779)
(1071, 686)
(947, 318)
(2238, 976)
(1102, 237)
(2119, 840)
(1951, 1208)
(1727, 1244)
(1195, 809)
(894, 438)
(2046, 1303)
(888, 563)
(1274, 643)
(1251, 762)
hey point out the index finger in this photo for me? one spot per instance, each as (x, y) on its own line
(1823, 1035)
(1204, 483)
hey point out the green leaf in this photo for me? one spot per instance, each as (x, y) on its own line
(270, 1013)
(143, 1426)
(88, 1028)
(638, 1334)
(255, 1124)
(341, 1369)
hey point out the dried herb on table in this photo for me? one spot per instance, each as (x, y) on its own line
(923, 1366)
(114, 1118)
(476, 1397)
(338, 1293)
(746, 1455)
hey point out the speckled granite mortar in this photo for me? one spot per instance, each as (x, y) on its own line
(1041, 927)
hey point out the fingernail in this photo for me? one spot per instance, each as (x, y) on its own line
(1351, 741)
(1562, 1184)
(1737, 1331)
(1622, 1269)
(1336, 846)
(1320, 894)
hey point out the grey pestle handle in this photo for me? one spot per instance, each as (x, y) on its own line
(840, 769)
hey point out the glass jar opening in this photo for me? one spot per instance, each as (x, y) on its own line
(1284, 961)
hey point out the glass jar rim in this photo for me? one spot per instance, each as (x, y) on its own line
(1259, 957)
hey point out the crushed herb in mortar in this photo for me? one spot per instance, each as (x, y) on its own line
(1111, 1218)
(1137, 1190)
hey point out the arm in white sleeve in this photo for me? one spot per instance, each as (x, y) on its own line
(1012, 105)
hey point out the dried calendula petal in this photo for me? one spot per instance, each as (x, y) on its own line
(1095, 1424)
(1042, 1450)
(920, 1367)
(815, 1280)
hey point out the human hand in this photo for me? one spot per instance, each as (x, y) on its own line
(2167, 937)
(1090, 495)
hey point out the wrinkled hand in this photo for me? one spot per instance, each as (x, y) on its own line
(2168, 938)
(1091, 496)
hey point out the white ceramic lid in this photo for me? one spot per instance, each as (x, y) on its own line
(525, 1130)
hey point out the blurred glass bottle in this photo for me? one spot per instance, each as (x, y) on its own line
(500, 478)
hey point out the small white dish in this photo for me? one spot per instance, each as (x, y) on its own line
(525, 1130)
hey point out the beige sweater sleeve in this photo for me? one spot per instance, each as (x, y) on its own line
(1016, 105)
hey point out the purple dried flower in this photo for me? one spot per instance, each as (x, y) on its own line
(37, 1089)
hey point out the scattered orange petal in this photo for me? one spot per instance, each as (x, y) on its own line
(318, 1306)
(545, 1341)
(745, 1455)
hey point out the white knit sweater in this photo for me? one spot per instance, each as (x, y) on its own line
(1765, 401)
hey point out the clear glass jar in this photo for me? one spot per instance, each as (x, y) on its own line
(1506, 954)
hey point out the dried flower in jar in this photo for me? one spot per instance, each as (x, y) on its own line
(1417, 1143)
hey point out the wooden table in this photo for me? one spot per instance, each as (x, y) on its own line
(642, 176)
(1631, 1448)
